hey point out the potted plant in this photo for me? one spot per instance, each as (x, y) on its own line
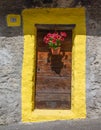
(54, 40)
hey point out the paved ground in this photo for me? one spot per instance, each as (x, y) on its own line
(94, 124)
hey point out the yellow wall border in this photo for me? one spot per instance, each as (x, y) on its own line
(54, 16)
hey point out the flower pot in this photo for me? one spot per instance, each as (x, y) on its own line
(55, 51)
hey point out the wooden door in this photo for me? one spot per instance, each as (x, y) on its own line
(53, 76)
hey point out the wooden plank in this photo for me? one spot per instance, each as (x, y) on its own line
(53, 71)
(66, 46)
(52, 82)
(53, 89)
(55, 26)
(45, 55)
(53, 105)
(44, 64)
(52, 97)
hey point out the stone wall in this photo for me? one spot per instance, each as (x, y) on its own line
(11, 50)
(11, 55)
(93, 69)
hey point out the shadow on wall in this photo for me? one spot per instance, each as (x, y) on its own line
(9, 31)
(30, 3)
(93, 21)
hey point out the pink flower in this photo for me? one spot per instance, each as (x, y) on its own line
(46, 39)
(58, 37)
(49, 35)
(62, 38)
(54, 41)
(63, 34)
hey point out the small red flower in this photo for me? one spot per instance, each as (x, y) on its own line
(54, 41)
(63, 34)
(46, 39)
(49, 35)
(62, 38)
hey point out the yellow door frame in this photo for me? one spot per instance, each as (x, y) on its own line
(78, 97)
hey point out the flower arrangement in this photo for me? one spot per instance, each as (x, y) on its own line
(54, 40)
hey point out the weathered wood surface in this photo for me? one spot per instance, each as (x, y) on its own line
(59, 65)
(53, 85)
(53, 105)
(52, 26)
(53, 76)
(53, 97)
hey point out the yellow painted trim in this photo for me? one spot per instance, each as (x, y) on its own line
(13, 23)
(54, 16)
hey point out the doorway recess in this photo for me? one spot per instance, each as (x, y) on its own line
(53, 75)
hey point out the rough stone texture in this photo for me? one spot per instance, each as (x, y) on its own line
(11, 48)
(11, 52)
(93, 62)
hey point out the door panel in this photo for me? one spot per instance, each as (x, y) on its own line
(53, 76)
